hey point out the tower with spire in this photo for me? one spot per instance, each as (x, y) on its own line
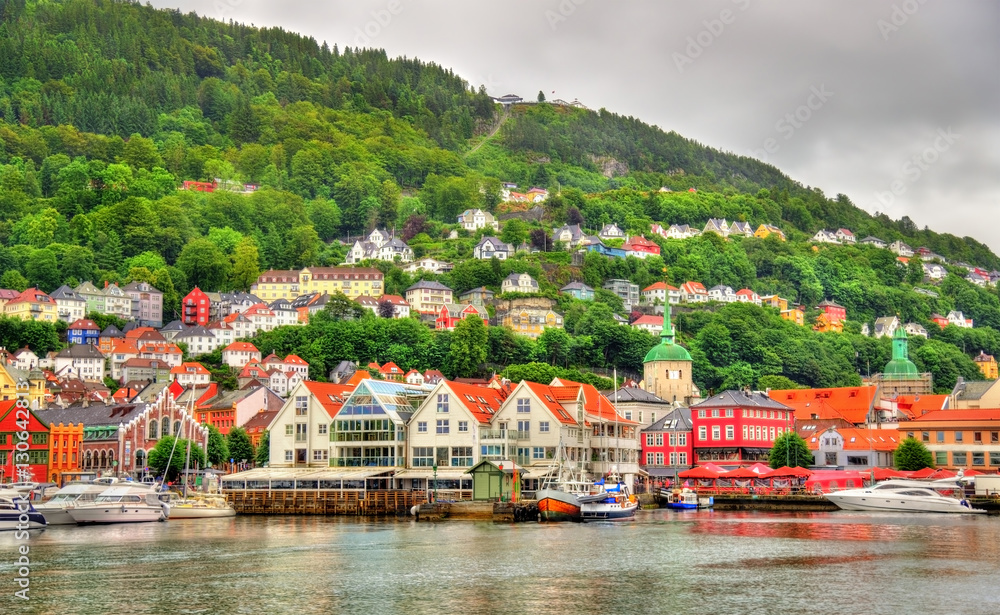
(667, 366)
(901, 376)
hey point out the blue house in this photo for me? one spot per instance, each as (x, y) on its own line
(600, 248)
(578, 290)
(83, 331)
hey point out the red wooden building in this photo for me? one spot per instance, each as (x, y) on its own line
(196, 308)
(737, 427)
(834, 313)
(642, 246)
(451, 313)
(668, 445)
(14, 421)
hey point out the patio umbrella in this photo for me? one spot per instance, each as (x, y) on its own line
(699, 472)
(787, 471)
(942, 473)
(886, 473)
(740, 473)
(922, 473)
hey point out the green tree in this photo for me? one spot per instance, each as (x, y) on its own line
(914, 270)
(263, 455)
(468, 347)
(161, 453)
(239, 445)
(792, 451)
(246, 264)
(43, 269)
(204, 264)
(218, 452)
(13, 280)
(541, 96)
(911, 454)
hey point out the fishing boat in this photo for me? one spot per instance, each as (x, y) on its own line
(55, 509)
(122, 503)
(609, 503)
(12, 511)
(687, 499)
(558, 498)
(903, 496)
(201, 507)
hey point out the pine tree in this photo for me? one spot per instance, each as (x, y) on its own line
(110, 257)
(790, 450)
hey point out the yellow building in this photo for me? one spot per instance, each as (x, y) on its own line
(795, 315)
(775, 301)
(277, 284)
(32, 304)
(36, 390)
(531, 323)
(352, 281)
(988, 365)
(823, 325)
(765, 230)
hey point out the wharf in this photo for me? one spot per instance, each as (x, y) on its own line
(784, 502)
(318, 502)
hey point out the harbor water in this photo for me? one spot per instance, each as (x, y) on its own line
(663, 562)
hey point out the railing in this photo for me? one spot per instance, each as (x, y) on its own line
(503, 434)
(365, 462)
(363, 436)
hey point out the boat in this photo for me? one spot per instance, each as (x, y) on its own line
(122, 503)
(903, 496)
(558, 498)
(55, 509)
(687, 499)
(610, 503)
(201, 507)
(12, 513)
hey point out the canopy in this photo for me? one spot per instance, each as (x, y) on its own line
(787, 471)
(740, 473)
(759, 468)
(972, 473)
(942, 473)
(699, 472)
(922, 473)
(714, 468)
(886, 473)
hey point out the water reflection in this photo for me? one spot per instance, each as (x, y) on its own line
(665, 561)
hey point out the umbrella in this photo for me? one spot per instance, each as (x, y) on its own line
(759, 468)
(922, 473)
(972, 473)
(740, 473)
(885, 473)
(942, 473)
(787, 471)
(699, 472)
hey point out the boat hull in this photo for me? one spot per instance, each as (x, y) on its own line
(56, 515)
(193, 512)
(117, 514)
(12, 522)
(609, 512)
(557, 505)
(682, 505)
(890, 503)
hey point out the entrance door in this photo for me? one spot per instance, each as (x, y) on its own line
(300, 456)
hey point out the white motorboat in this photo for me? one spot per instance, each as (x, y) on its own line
(201, 507)
(610, 503)
(903, 496)
(122, 503)
(73, 494)
(18, 514)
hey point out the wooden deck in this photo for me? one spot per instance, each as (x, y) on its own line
(290, 502)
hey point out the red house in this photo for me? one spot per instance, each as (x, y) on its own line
(451, 313)
(737, 427)
(196, 308)
(200, 186)
(641, 247)
(939, 320)
(667, 445)
(834, 313)
(13, 421)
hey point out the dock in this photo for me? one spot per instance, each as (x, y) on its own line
(320, 502)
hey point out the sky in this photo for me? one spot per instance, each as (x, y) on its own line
(894, 103)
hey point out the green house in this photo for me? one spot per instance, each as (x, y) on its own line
(494, 479)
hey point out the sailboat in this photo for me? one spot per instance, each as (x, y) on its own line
(559, 497)
(200, 507)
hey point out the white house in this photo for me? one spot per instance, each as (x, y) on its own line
(238, 354)
(190, 374)
(681, 231)
(722, 293)
(611, 231)
(300, 432)
(844, 235)
(492, 247)
(650, 323)
(400, 308)
(825, 236)
(475, 219)
(519, 283)
(83, 361)
(746, 295)
(428, 264)
(901, 249)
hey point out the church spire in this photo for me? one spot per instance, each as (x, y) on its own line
(667, 334)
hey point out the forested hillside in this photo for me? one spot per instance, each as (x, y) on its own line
(106, 108)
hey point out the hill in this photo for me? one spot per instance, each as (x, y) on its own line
(106, 107)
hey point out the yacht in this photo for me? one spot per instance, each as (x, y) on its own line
(73, 494)
(122, 503)
(200, 507)
(13, 509)
(903, 496)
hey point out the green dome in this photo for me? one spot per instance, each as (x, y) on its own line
(667, 352)
(900, 368)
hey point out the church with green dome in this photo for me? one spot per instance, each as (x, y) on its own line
(901, 376)
(667, 367)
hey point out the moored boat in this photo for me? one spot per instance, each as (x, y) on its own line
(687, 499)
(122, 503)
(903, 496)
(610, 503)
(212, 507)
(55, 509)
(18, 514)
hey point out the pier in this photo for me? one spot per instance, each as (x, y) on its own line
(317, 502)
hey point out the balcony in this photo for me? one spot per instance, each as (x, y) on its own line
(365, 462)
(363, 436)
(502, 435)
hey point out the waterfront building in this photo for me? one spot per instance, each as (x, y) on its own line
(853, 405)
(12, 424)
(639, 405)
(369, 429)
(667, 367)
(959, 438)
(853, 448)
(736, 427)
(300, 431)
(228, 409)
(65, 444)
(667, 444)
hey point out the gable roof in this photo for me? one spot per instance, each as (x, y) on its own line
(594, 403)
(240, 347)
(853, 404)
(481, 402)
(548, 398)
(739, 399)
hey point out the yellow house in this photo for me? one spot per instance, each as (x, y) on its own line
(531, 323)
(32, 304)
(795, 315)
(775, 301)
(823, 325)
(987, 364)
(764, 230)
(352, 281)
(277, 284)
(32, 384)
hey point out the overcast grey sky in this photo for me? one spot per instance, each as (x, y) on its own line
(893, 103)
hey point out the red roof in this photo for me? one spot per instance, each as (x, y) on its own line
(856, 439)
(258, 309)
(168, 348)
(190, 368)
(124, 347)
(330, 396)
(656, 286)
(31, 295)
(850, 403)
(240, 347)
(745, 292)
(594, 403)
(917, 405)
(481, 402)
(390, 368)
(84, 323)
(656, 321)
(991, 414)
(261, 421)
(294, 359)
(138, 331)
(547, 395)
(394, 299)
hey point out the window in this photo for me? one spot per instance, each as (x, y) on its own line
(288, 456)
(772, 434)
(940, 436)
(165, 426)
(978, 458)
(649, 459)
(463, 426)
(672, 440)
(682, 439)
(301, 432)
(649, 439)
(959, 459)
(940, 458)
(745, 432)
(289, 429)
(730, 432)
(702, 433)
(421, 426)
(925, 436)
(320, 454)
(543, 427)
(682, 459)
(831, 459)
(715, 413)
(701, 414)
(442, 402)
(524, 427)
(994, 458)
(538, 452)
(153, 431)
(857, 461)
(959, 436)
(461, 456)
(977, 437)
(715, 432)
(302, 405)
(423, 456)
(659, 459)
(322, 429)
(729, 413)
(673, 459)
(524, 405)
(442, 426)
(994, 437)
